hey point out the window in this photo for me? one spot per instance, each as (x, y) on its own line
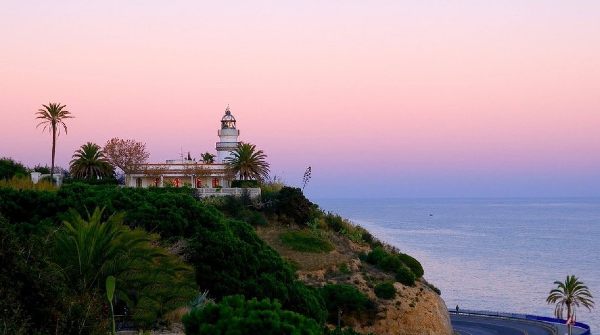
(215, 182)
(138, 182)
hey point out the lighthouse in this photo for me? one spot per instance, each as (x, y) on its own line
(228, 137)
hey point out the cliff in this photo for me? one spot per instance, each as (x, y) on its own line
(414, 310)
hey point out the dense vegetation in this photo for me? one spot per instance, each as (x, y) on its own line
(344, 298)
(406, 268)
(9, 168)
(164, 246)
(227, 255)
(235, 315)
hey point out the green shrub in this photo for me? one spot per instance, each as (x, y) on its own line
(345, 297)
(385, 290)
(291, 202)
(234, 315)
(104, 181)
(256, 219)
(412, 264)
(9, 168)
(245, 183)
(406, 268)
(376, 256)
(405, 276)
(335, 222)
(306, 241)
(390, 263)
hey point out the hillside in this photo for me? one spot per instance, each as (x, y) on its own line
(414, 310)
(181, 254)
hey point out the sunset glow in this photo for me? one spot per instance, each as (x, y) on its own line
(419, 98)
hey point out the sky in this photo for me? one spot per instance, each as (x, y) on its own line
(381, 98)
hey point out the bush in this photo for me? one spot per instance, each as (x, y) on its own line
(376, 256)
(385, 290)
(9, 168)
(291, 202)
(245, 183)
(256, 219)
(334, 222)
(405, 276)
(234, 315)
(112, 180)
(32, 293)
(406, 268)
(345, 297)
(390, 263)
(306, 241)
(412, 264)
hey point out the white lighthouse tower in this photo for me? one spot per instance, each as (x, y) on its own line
(228, 136)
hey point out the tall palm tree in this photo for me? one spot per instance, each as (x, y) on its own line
(570, 294)
(52, 116)
(248, 163)
(89, 162)
(208, 158)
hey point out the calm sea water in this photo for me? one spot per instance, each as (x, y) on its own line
(492, 254)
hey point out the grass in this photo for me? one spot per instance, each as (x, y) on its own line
(25, 183)
(306, 241)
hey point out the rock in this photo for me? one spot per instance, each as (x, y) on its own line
(412, 312)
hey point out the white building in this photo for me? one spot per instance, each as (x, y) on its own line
(208, 178)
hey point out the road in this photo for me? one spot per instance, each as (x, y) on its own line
(481, 325)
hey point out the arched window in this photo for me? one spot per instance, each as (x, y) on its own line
(198, 183)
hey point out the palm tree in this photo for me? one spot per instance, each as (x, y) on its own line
(89, 162)
(208, 158)
(52, 116)
(570, 294)
(87, 251)
(248, 163)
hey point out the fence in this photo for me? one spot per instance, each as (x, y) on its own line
(585, 329)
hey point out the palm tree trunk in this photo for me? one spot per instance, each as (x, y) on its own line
(569, 326)
(53, 152)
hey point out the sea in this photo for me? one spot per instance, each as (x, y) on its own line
(491, 254)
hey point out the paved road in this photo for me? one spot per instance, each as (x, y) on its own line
(480, 325)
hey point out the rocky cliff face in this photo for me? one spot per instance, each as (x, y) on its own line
(416, 310)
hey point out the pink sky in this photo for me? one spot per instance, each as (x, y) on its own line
(420, 98)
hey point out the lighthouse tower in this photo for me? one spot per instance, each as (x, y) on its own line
(228, 136)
